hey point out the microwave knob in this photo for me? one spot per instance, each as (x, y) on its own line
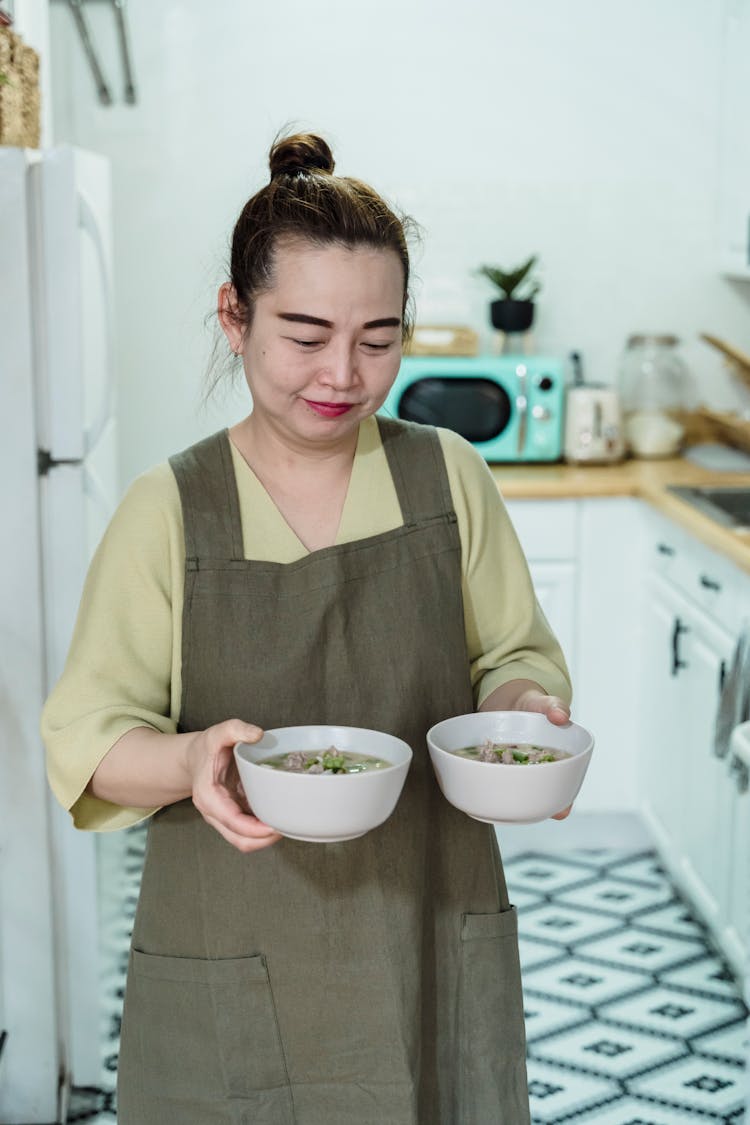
(541, 413)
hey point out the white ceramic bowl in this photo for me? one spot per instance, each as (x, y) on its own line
(502, 794)
(323, 808)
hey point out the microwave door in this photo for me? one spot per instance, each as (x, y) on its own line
(478, 409)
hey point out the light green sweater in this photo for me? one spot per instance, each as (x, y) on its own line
(124, 665)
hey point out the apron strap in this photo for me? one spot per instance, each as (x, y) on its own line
(417, 466)
(210, 504)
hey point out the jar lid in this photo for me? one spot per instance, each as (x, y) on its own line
(645, 339)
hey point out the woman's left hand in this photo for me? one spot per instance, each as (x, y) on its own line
(556, 710)
(525, 695)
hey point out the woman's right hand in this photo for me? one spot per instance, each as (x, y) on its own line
(217, 791)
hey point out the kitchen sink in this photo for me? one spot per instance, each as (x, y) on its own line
(728, 506)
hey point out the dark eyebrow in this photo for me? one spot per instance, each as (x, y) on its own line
(384, 322)
(303, 318)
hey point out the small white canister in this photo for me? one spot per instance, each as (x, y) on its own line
(593, 425)
(656, 388)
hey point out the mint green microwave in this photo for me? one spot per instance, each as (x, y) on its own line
(509, 407)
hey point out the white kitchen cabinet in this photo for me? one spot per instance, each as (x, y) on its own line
(737, 929)
(734, 150)
(708, 800)
(555, 586)
(585, 557)
(689, 796)
(685, 787)
(548, 532)
(609, 638)
(648, 617)
(661, 780)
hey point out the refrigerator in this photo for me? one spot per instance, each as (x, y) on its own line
(58, 482)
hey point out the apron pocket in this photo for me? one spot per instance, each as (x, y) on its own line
(492, 1038)
(206, 1028)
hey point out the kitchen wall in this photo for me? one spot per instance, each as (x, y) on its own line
(585, 131)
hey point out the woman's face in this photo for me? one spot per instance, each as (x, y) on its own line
(324, 346)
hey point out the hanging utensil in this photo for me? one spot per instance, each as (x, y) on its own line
(76, 7)
(119, 6)
(105, 96)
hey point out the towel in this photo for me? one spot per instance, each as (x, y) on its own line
(734, 704)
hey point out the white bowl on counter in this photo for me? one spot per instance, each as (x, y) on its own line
(323, 808)
(509, 794)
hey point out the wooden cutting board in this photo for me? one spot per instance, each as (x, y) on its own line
(739, 361)
(726, 427)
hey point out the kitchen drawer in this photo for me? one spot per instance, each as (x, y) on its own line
(547, 529)
(704, 576)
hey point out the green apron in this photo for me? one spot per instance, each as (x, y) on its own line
(372, 982)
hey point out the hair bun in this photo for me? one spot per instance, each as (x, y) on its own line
(303, 152)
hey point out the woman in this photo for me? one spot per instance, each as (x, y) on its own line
(313, 564)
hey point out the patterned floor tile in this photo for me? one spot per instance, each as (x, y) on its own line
(563, 924)
(611, 1052)
(600, 1050)
(645, 869)
(545, 1016)
(634, 1111)
(709, 975)
(544, 874)
(673, 1012)
(730, 1043)
(535, 953)
(615, 896)
(584, 982)
(555, 1093)
(633, 948)
(676, 919)
(524, 899)
(598, 858)
(704, 1084)
(93, 1106)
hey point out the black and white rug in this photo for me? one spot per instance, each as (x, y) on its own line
(632, 1017)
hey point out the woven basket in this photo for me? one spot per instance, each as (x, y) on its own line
(20, 100)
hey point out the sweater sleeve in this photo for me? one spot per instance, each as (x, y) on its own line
(118, 674)
(507, 635)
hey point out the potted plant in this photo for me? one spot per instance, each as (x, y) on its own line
(514, 312)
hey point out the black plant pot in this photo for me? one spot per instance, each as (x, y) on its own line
(508, 315)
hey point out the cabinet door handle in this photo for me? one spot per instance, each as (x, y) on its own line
(677, 632)
(739, 771)
(722, 675)
(665, 549)
(710, 583)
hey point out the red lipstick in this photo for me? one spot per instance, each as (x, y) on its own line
(329, 409)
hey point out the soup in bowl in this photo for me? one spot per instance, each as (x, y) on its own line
(323, 784)
(509, 766)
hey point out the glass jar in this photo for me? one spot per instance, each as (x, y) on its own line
(656, 388)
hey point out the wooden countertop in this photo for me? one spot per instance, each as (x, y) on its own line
(647, 480)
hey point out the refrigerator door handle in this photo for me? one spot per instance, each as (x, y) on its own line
(45, 461)
(105, 406)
